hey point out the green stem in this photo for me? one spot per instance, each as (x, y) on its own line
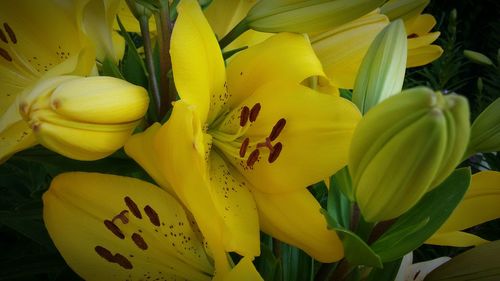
(163, 26)
(234, 33)
(148, 50)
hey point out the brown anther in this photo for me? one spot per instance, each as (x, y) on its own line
(267, 144)
(2, 37)
(275, 152)
(10, 32)
(244, 146)
(254, 112)
(413, 35)
(139, 241)
(122, 216)
(104, 253)
(114, 229)
(4, 54)
(133, 207)
(254, 156)
(153, 215)
(278, 127)
(122, 261)
(245, 113)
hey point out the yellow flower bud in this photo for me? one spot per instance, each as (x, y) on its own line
(382, 70)
(306, 16)
(485, 131)
(84, 118)
(404, 147)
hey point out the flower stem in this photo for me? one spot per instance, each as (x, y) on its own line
(148, 50)
(164, 32)
(233, 34)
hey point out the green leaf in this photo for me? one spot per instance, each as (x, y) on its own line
(424, 219)
(267, 264)
(28, 223)
(110, 69)
(387, 273)
(480, 263)
(132, 66)
(356, 251)
(338, 205)
(296, 264)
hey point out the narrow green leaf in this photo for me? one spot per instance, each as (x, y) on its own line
(110, 69)
(357, 252)
(387, 273)
(432, 210)
(480, 263)
(338, 205)
(132, 66)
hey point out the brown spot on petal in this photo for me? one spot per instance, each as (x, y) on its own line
(133, 207)
(139, 241)
(153, 215)
(10, 32)
(114, 229)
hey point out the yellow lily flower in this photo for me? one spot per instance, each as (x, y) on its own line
(480, 204)
(243, 142)
(223, 15)
(111, 227)
(50, 44)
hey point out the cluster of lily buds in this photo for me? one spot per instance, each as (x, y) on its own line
(404, 147)
(84, 118)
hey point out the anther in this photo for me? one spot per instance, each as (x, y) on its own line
(244, 146)
(254, 156)
(10, 32)
(2, 37)
(277, 129)
(275, 152)
(114, 229)
(139, 241)
(133, 207)
(254, 112)
(122, 216)
(122, 261)
(5, 55)
(245, 113)
(153, 216)
(104, 253)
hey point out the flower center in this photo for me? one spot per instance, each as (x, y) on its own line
(249, 150)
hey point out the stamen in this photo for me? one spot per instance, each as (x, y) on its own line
(275, 152)
(254, 156)
(245, 113)
(254, 112)
(277, 129)
(413, 35)
(121, 216)
(2, 37)
(115, 229)
(267, 144)
(139, 241)
(104, 253)
(153, 216)
(133, 207)
(5, 55)
(244, 146)
(10, 32)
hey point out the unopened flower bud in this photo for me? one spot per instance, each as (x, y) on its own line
(84, 118)
(407, 10)
(477, 57)
(485, 131)
(404, 147)
(306, 16)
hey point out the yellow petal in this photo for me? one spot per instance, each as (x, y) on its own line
(480, 203)
(116, 228)
(180, 148)
(424, 55)
(197, 62)
(244, 271)
(315, 138)
(235, 204)
(422, 41)
(455, 239)
(294, 218)
(247, 39)
(223, 15)
(341, 50)
(128, 20)
(422, 25)
(16, 137)
(285, 56)
(140, 147)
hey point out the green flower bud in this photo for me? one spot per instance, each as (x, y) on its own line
(404, 147)
(303, 16)
(382, 71)
(84, 118)
(477, 57)
(485, 131)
